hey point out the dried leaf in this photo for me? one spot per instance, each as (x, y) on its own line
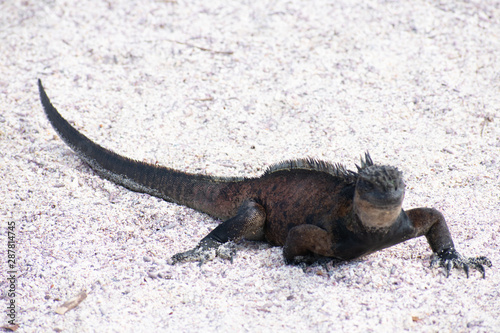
(72, 303)
(12, 328)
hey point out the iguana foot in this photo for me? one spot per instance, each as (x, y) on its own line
(302, 261)
(205, 251)
(305, 262)
(450, 258)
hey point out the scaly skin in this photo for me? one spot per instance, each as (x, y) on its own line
(312, 208)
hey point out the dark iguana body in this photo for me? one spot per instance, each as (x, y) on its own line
(312, 208)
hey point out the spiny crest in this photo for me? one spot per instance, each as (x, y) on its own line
(367, 162)
(368, 170)
(336, 169)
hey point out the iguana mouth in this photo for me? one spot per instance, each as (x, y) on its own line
(381, 199)
(378, 210)
(385, 200)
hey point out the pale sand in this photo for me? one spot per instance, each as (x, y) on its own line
(228, 88)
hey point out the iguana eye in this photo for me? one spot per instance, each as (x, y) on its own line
(369, 186)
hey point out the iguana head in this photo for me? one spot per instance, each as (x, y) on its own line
(379, 194)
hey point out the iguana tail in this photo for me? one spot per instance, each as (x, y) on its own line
(200, 192)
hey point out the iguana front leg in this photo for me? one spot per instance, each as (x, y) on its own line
(247, 223)
(431, 223)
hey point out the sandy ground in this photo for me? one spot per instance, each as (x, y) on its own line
(228, 88)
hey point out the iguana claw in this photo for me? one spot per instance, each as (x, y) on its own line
(450, 258)
(205, 251)
(305, 262)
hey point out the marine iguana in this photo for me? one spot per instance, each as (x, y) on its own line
(314, 209)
